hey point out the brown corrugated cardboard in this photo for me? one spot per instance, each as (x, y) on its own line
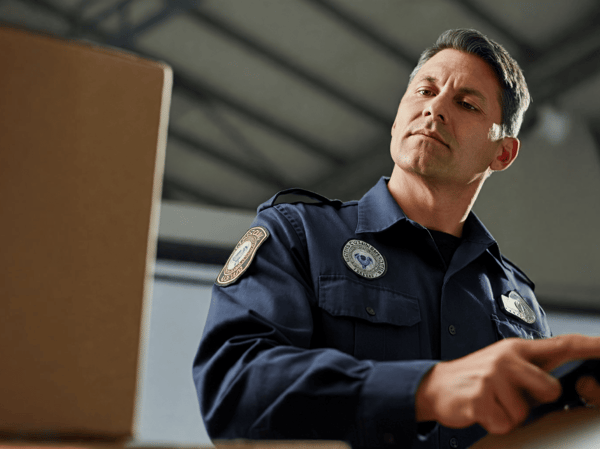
(82, 139)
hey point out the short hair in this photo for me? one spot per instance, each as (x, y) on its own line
(514, 95)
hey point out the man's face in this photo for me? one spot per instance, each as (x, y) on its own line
(448, 123)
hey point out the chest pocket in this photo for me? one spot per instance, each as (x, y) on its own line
(508, 329)
(369, 321)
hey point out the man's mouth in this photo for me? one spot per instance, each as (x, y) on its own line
(432, 135)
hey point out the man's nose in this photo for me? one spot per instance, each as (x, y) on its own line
(436, 109)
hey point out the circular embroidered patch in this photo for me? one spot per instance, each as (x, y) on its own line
(364, 259)
(242, 255)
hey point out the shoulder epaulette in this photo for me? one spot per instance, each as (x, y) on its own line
(295, 195)
(518, 271)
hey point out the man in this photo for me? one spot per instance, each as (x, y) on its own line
(385, 321)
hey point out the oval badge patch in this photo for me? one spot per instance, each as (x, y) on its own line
(242, 255)
(364, 259)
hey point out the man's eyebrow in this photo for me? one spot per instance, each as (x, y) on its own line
(475, 92)
(429, 79)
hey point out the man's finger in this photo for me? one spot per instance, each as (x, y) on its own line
(589, 389)
(536, 383)
(553, 352)
(495, 418)
(514, 404)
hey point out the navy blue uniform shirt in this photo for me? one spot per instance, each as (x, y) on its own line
(301, 346)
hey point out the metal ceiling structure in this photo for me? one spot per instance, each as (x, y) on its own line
(271, 94)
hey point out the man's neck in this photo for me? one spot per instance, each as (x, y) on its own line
(434, 205)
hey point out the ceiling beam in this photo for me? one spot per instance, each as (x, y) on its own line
(172, 7)
(474, 8)
(107, 12)
(368, 32)
(290, 66)
(552, 75)
(585, 67)
(594, 127)
(201, 91)
(359, 175)
(194, 192)
(204, 148)
(582, 29)
(72, 18)
(168, 192)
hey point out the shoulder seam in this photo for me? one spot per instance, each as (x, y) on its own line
(297, 229)
(516, 269)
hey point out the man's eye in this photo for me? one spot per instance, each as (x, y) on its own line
(426, 92)
(468, 106)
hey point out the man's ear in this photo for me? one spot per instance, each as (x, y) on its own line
(507, 153)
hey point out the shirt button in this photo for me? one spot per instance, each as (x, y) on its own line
(452, 329)
(370, 311)
(453, 443)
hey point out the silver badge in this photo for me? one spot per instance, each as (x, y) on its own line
(242, 255)
(516, 305)
(363, 259)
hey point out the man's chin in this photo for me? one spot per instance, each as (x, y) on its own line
(423, 164)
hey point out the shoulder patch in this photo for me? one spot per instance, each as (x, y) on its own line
(242, 255)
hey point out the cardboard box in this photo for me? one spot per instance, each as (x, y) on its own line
(82, 138)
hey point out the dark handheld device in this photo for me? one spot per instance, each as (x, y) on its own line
(568, 374)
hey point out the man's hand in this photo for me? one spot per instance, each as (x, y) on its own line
(497, 385)
(589, 390)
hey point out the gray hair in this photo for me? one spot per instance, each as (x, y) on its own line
(514, 96)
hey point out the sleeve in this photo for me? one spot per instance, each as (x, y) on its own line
(259, 376)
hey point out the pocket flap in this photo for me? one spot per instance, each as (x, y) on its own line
(342, 296)
(508, 329)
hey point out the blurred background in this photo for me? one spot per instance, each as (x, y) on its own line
(271, 94)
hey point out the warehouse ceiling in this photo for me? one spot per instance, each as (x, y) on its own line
(271, 94)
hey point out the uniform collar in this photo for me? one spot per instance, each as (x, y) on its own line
(475, 232)
(378, 211)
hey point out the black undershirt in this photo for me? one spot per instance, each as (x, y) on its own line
(446, 244)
